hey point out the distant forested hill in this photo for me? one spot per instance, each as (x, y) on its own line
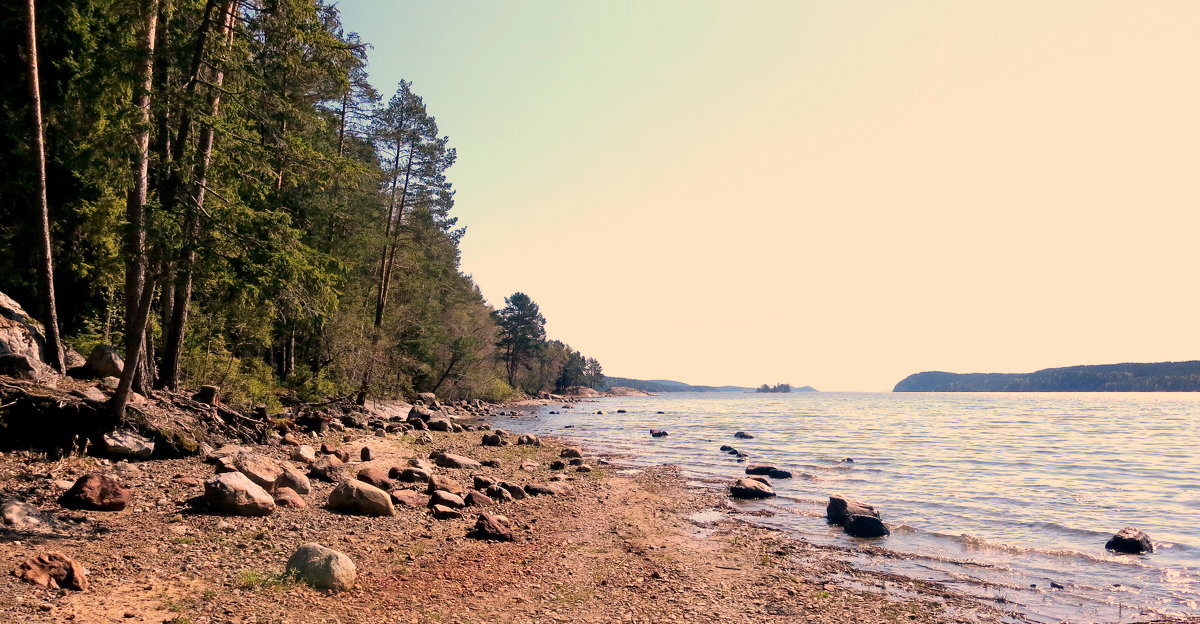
(1150, 377)
(663, 385)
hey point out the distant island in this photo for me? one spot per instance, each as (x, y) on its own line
(1132, 377)
(665, 385)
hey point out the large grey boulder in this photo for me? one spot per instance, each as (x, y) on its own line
(104, 361)
(128, 443)
(840, 508)
(322, 568)
(1130, 540)
(261, 469)
(750, 489)
(22, 337)
(357, 497)
(235, 493)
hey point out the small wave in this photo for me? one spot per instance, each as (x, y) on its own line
(974, 542)
(1061, 528)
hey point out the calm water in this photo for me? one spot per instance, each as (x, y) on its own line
(987, 493)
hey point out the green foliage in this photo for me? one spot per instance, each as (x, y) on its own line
(496, 391)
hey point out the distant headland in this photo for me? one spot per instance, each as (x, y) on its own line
(666, 385)
(1130, 377)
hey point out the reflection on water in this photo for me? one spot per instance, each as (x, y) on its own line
(997, 495)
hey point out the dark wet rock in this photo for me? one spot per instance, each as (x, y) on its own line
(658, 433)
(761, 479)
(742, 435)
(365, 454)
(780, 474)
(1130, 540)
(558, 464)
(492, 527)
(759, 469)
(570, 453)
(235, 493)
(726, 448)
(441, 512)
(356, 497)
(750, 489)
(840, 508)
(621, 411)
(52, 571)
(583, 468)
(96, 492)
(849, 460)
(865, 526)
(322, 568)
(578, 461)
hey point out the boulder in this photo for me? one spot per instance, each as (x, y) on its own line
(409, 498)
(477, 499)
(24, 367)
(492, 439)
(356, 497)
(261, 469)
(428, 397)
(492, 527)
(412, 475)
(207, 394)
(304, 454)
(530, 440)
(365, 454)
(583, 468)
(375, 476)
(780, 474)
(440, 424)
(328, 468)
(865, 526)
(128, 444)
(759, 469)
(840, 508)
(1130, 540)
(546, 489)
(441, 512)
(291, 477)
(450, 460)
(52, 571)
(570, 452)
(420, 413)
(439, 482)
(446, 499)
(558, 464)
(287, 497)
(658, 433)
(96, 492)
(497, 493)
(104, 361)
(235, 493)
(750, 489)
(322, 568)
(481, 482)
(742, 435)
(514, 490)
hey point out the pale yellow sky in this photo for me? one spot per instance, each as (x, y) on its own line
(835, 194)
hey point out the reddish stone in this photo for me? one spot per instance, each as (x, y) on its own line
(96, 492)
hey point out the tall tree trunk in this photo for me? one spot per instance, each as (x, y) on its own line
(177, 328)
(137, 290)
(53, 352)
(135, 204)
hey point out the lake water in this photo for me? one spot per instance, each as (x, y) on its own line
(994, 495)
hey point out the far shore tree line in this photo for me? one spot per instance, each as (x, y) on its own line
(775, 388)
(215, 187)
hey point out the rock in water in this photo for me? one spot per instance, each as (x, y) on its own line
(1130, 540)
(357, 497)
(96, 492)
(235, 493)
(129, 444)
(492, 527)
(322, 568)
(841, 508)
(760, 469)
(750, 489)
(52, 571)
(657, 433)
(865, 526)
(742, 435)
(780, 474)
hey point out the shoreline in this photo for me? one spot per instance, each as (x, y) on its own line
(623, 544)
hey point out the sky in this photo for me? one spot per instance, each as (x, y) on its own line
(835, 194)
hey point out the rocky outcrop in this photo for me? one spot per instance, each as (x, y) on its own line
(322, 568)
(840, 508)
(750, 489)
(96, 492)
(356, 497)
(128, 444)
(235, 493)
(1130, 540)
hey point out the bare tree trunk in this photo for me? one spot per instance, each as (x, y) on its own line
(176, 330)
(138, 294)
(53, 352)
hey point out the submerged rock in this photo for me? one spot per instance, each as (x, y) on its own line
(657, 433)
(322, 568)
(865, 526)
(1130, 540)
